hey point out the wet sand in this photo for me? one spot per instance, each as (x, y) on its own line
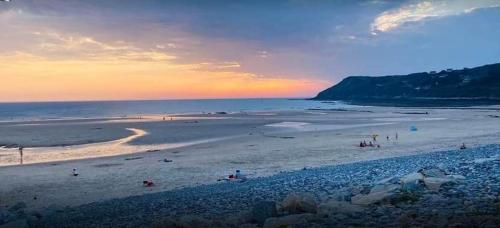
(205, 149)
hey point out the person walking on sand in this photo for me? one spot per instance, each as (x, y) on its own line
(396, 136)
(21, 154)
(387, 138)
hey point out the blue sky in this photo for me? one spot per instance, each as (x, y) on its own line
(322, 41)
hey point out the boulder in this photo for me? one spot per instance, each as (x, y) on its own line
(412, 182)
(457, 177)
(262, 211)
(333, 207)
(377, 194)
(289, 220)
(434, 183)
(296, 203)
(389, 180)
(433, 172)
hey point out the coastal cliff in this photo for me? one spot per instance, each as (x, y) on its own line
(475, 83)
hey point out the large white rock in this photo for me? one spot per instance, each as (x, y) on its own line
(333, 206)
(296, 203)
(412, 178)
(433, 172)
(434, 183)
(412, 182)
(377, 194)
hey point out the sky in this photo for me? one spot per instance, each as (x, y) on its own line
(57, 50)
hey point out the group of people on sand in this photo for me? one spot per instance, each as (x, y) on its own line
(374, 143)
(369, 144)
(238, 176)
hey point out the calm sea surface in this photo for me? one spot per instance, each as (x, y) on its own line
(97, 109)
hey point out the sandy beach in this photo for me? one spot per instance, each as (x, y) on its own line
(114, 157)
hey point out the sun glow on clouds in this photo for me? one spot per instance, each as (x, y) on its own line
(72, 67)
(392, 19)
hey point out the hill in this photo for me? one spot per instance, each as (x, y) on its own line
(479, 83)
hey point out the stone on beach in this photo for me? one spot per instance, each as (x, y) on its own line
(433, 172)
(376, 195)
(296, 203)
(435, 183)
(412, 181)
(333, 206)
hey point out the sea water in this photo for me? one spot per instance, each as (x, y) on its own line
(103, 109)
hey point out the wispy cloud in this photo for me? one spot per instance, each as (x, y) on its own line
(84, 47)
(422, 10)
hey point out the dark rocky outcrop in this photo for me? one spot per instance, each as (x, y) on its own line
(475, 83)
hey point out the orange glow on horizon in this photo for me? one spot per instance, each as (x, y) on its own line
(30, 78)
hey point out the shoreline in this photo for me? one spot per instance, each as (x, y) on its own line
(248, 143)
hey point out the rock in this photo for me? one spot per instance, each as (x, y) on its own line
(377, 194)
(263, 210)
(457, 177)
(434, 183)
(296, 203)
(384, 188)
(412, 177)
(433, 172)
(389, 180)
(412, 182)
(21, 223)
(289, 220)
(17, 207)
(333, 207)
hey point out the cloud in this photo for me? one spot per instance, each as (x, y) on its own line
(58, 45)
(228, 66)
(419, 11)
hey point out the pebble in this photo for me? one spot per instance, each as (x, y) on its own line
(227, 199)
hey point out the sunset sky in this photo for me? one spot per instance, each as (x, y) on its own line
(152, 49)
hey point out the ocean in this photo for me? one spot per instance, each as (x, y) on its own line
(103, 109)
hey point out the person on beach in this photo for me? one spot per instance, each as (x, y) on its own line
(239, 175)
(387, 138)
(361, 144)
(374, 137)
(463, 147)
(75, 173)
(21, 154)
(370, 144)
(396, 136)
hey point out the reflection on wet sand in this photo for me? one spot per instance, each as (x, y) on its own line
(11, 156)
